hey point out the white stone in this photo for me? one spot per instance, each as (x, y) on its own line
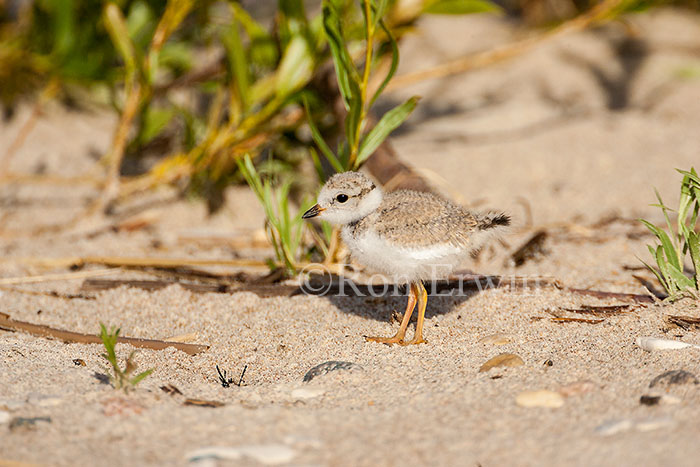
(4, 416)
(541, 398)
(43, 400)
(11, 404)
(654, 343)
(651, 424)
(614, 427)
(307, 393)
(268, 454)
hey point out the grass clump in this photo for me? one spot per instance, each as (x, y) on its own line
(674, 247)
(120, 379)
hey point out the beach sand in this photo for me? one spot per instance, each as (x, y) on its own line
(569, 139)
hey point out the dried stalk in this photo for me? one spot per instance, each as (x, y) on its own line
(136, 262)
(40, 330)
(56, 277)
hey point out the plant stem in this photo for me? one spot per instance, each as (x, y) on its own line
(369, 37)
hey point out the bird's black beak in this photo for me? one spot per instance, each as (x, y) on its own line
(313, 212)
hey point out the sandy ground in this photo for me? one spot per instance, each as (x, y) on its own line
(570, 138)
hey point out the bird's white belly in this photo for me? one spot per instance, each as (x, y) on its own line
(403, 264)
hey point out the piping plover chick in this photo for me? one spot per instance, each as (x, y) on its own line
(407, 235)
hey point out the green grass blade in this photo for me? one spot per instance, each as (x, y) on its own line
(237, 60)
(138, 378)
(668, 247)
(320, 142)
(345, 70)
(296, 67)
(317, 165)
(694, 247)
(379, 11)
(116, 27)
(388, 123)
(394, 62)
(460, 7)
(665, 209)
(691, 174)
(682, 281)
(657, 274)
(353, 121)
(669, 284)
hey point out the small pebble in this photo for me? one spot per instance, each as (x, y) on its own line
(268, 454)
(541, 398)
(665, 399)
(504, 359)
(11, 404)
(673, 377)
(43, 400)
(614, 427)
(650, 400)
(4, 416)
(22, 422)
(651, 424)
(653, 343)
(577, 387)
(307, 393)
(327, 367)
(495, 339)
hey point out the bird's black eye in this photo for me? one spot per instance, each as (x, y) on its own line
(342, 198)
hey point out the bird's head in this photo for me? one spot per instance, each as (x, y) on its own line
(346, 197)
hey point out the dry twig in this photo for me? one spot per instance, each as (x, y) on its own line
(9, 324)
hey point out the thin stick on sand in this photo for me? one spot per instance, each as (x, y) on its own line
(56, 277)
(40, 330)
(134, 262)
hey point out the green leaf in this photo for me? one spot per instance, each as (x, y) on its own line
(320, 142)
(176, 55)
(140, 23)
(388, 123)
(345, 70)
(154, 121)
(656, 273)
(138, 378)
(683, 281)
(317, 165)
(668, 282)
(665, 209)
(296, 67)
(394, 62)
(665, 240)
(694, 247)
(237, 60)
(353, 121)
(460, 7)
(63, 16)
(380, 11)
(292, 20)
(118, 32)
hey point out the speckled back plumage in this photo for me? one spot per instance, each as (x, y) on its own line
(416, 219)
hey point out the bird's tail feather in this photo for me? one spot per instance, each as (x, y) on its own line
(493, 220)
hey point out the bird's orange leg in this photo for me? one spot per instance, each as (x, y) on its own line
(422, 302)
(401, 333)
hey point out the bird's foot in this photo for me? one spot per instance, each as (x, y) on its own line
(386, 340)
(415, 341)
